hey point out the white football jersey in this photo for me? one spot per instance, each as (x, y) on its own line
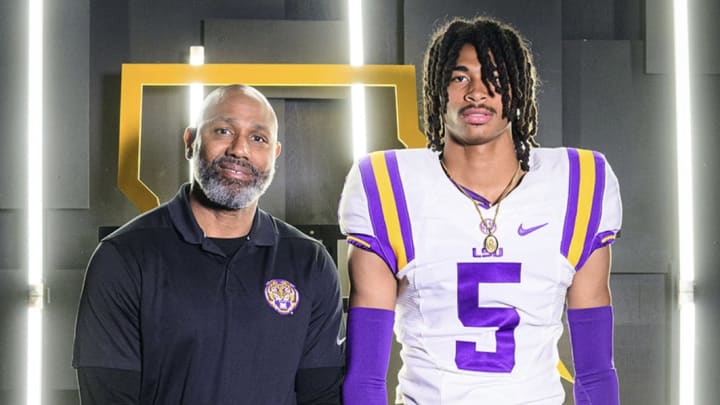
(480, 327)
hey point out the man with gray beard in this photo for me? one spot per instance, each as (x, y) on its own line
(207, 299)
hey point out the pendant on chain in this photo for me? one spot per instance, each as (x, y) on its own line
(488, 226)
(491, 243)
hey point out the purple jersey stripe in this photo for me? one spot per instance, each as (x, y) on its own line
(376, 213)
(401, 205)
(596, 213)
(479, 200)
(572, 200)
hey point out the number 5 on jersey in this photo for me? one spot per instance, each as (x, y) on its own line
(469, 275)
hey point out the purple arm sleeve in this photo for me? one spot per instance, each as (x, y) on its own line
(369, 339)
(591, 336)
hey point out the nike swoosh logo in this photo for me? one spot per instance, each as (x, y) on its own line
(524, 231)
(339, 341)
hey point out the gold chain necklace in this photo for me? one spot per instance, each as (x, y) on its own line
(487, 226)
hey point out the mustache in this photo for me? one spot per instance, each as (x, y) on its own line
(467, 107)
(235, 161)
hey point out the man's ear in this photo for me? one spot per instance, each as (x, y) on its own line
(189, 139)
(278, 149)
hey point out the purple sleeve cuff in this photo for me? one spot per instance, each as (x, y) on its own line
(369, 339)
(371, 244)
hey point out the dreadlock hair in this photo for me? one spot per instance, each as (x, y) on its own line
(516, 81)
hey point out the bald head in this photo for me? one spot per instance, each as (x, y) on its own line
(224, 94)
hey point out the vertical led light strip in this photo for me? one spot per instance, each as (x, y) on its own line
(686, 217)
(358, 90)
(197, 58)
(35, 248)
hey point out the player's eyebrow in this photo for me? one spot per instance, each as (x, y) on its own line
(460, 68)
(230, 121)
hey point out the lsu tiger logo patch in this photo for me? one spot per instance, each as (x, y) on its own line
(282, 296)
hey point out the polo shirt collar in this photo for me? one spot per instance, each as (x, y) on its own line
(262, 233)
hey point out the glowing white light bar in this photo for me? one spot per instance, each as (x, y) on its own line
(197, 58)
(356, 32)
(197, 55)
(35, 245)
(686, 217)
(358, 90)
(358, 121)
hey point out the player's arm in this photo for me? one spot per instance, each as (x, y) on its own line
(370, 320)
(590, 320)
(372, 284)
(591, 285)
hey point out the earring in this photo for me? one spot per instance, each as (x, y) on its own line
(517, 113)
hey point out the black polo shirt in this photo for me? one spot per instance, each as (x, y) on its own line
(204, 328)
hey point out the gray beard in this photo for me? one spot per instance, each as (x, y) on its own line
(228, 193)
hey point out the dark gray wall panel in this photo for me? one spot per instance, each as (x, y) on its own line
(590, 20)
(704, 33)
(13, 318)
(304, 41)
(274, 200)
(382, 31)
(610, 105)
(658, 36)
(601, 120)
(538, 21)
(315, 9)
(318, 155)
(59, 313)
(641, 315)
(381, 119)
(282, 41)
(603, 19)
(72, 238)
(642, 341)
(110, 24)
(706, 127)
(66, 134)
(13, 238)
(13, 105)
(162, 31)
(163, 166)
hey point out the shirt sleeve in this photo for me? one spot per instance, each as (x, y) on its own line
(320, 372)
(107, 331)
(106, 386)
(354, 215)
(319, 386)
(373, 211)
(611, 219)
(594, 210)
